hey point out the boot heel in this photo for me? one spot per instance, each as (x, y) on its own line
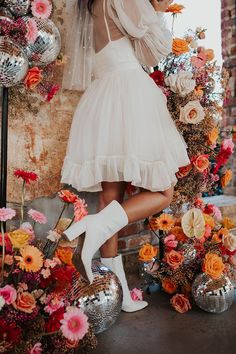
(77, 260)
(75, 230)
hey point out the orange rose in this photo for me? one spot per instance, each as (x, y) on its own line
(179, 234)
(184, 171)
(180, 46)
(209, 54)
(213, 135)
(147, 252)
(168, 286)
(180, 303)
(25, 302)
(201, 162)
(65, 255)
(226, 178)
(33, 78)
(175, 8)
(174, 259)
(213, 265)
(67, 196)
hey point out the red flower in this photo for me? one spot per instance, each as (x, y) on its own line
(62, 277)
(26, 176)
(67, 196)
(158, 77)
(222, 158)
(8, 244)
(209, 209)
(53, 323)
(10, 333)
(52, 92)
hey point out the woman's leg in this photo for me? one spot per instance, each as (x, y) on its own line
(111, 191)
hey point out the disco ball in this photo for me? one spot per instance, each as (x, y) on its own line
(6, 14)
(18, 7)
(189, 253)
(47, 45)
(101, 301)
(13, 63)
(213, 295)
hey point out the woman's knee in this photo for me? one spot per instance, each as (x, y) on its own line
(168, 194)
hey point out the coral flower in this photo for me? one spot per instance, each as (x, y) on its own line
(165, 222)
(175, 8)
(174, 259)
(74, 324)
(180, 46)
(37, 216)
(7, 214)
(65, 255)
(80, 209)
(67, 196)
(181, 303)
(31, 259)
(41, 8)
(26, 176)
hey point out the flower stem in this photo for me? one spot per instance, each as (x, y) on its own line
(173, 22)
(22, 202)
(70, 223)
(3, 251)
(62, 211)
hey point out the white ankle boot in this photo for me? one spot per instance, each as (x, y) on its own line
(98, 229)
(116, 266)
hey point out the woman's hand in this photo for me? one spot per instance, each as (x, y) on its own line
(161, 5)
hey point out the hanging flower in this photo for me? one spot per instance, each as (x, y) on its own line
(181, 303)
(37, 216)
(31, 259)
(165, 222)
(200, 60)
(52, 92)
(201, 162)
(33, 78)
(74, 324)
(181, 83)
(26, 176)
(158, 76)
(6, 214)
(67, 196)
(41, 8)
(19, 238)
(184, 171)
(226, 178)
(80, 209)
(32, 31)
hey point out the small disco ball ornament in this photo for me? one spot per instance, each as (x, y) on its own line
(101, 301)
(189, 253)
(213, 295)
(47, 45)
(6, 14)
(13, 63)
(147, 271)
(18, 7)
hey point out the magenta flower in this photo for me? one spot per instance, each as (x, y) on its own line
(32, 31)
(37, 216)
(7, 214)
(74, 324)
(9, 294)
(41, 8)
(136, 294)
(80, 209)
(36, 349)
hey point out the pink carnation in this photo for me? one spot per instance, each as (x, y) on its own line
(32, 31)
(170, 241)
(41, 8)
(7, 214)
(36, 349)
(37, 216)
(80, 209)
(136, 294)
(9, 294)
(74, 324)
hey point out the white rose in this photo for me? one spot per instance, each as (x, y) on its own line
(181, 83)
(229, 242)
(192, 112)
(2, 302)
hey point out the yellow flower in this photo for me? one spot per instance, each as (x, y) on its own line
(209, 220)
(228, 223)
(213, 135)
(226, 178)
(19, 238)
(31, 259)
(165, 222)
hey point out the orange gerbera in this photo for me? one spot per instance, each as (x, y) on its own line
(228, 223)
(65, 255)
(180, 46)
(165, 222)
(226, 178)
(179, 234)
(218, 236)
(213, 135)
(31, 259)
(175, 8)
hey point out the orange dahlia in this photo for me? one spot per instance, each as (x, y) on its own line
(165, 222)
(31, 259)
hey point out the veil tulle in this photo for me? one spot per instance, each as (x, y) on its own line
(79, 46)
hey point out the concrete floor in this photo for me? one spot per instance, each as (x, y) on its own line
(160, 330)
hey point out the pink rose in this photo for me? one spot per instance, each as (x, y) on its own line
(170, 241)
(136, 294)
(180, 303)
(9, 294)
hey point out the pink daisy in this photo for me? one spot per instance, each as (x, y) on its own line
(74, 324)
(41, 8)
(7, 214)
(37, 216)
(80, 209)
(32, 31)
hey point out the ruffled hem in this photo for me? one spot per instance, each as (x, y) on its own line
(151, 175)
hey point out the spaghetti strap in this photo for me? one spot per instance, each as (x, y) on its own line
(105, 20)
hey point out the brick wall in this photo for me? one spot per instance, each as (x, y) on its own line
(228, 25)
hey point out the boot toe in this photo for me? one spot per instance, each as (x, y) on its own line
(134, 306)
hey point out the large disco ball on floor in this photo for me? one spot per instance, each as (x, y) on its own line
(213, 295)
(101, 301)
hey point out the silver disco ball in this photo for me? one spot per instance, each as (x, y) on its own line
(213, 295)
(147, 272)
(6, 14)
(189, 253)
(47, 45)
(13, 63)
(101, 301)
(18, 7)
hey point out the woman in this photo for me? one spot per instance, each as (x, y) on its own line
(122, 131)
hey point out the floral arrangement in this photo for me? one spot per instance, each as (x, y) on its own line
(201, 241)
(195, 88)
(36, 313)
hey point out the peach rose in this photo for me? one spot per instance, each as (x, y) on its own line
(201, 162)
(168, 286)
(174, 259)
(184, 171)
(213, 265)
(25, 302)
(180, 303)
(33, 78)
(229, 241)
(180, 46)
(147, 252)
(226, 178)
(192, 113)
